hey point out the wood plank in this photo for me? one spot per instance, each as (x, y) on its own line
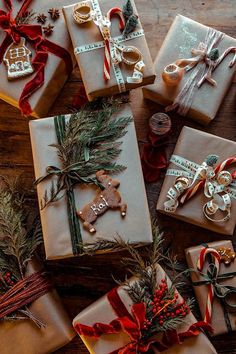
(81, 281)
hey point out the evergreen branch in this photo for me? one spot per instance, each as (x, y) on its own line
(91, 142)
(18, 239)
(26, 18)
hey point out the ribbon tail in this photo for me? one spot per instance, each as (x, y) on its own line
(137, 76)
(76, 237)
(33, 85)
(59, 52)
(9, 5)
(23, 8)
(39, 63)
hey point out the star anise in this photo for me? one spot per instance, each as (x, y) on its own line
(41, 18)
(54, 13)
(48, 30)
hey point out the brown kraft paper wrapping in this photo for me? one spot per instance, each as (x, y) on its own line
(91, 63)
(55, 73)
(192, 255)
(135, 227)
(184, 35)
(23, 337)
(101, 311)
(192, 210)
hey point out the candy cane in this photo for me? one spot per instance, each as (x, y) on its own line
(227, 51)
(107, 56)
(200, 265)
(193, 190)
(107, 60)
(117, 11)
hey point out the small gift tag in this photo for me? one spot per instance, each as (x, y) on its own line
(18, 60)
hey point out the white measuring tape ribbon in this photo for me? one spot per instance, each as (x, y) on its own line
(220, 194)
(114, 44)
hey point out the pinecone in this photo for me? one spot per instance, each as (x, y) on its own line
(54, 13)
(41, 18)
(48, 30)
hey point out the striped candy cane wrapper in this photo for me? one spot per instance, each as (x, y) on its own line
(213, 275)
(200, 265)
(115, 11)
(221, 167)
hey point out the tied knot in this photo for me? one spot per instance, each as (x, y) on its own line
(104, 25)
(205, 59)
(216, 183)
(114, 52)
(200, 52)
(23, 293)
(10, 26)
(213, 278)
(133, 325)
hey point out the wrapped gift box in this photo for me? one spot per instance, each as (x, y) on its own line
(135, 227)
(184, 35)
(102, 312)
(55, 71)
(218, 311)
(25, 337)
(185, 157)
(91, 62)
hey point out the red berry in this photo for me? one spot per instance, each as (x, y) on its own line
(161, 323)
(154, 310)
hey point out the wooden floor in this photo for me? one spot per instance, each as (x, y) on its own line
(82, 281)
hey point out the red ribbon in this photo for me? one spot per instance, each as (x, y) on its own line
(153, 157)
(133, 324)
(24, 292)
(42, 46)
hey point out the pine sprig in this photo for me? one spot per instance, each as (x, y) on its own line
(26, 18)
(165, 310)
(18, 238)
(91, 143)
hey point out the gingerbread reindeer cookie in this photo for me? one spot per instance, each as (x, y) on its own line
(108, 198)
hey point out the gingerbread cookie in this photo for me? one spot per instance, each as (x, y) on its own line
(18, 60)
(108, 198)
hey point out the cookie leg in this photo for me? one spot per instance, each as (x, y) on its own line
(123, 208)
(89, 227)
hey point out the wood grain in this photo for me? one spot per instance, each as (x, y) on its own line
(82, 281)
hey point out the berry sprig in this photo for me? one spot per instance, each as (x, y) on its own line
(7, 280)
(165, 306)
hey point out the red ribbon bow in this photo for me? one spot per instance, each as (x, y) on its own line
(33, 34)
(133, 324)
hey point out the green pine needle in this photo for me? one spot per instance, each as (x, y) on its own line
(91, 143)
(19, 238)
